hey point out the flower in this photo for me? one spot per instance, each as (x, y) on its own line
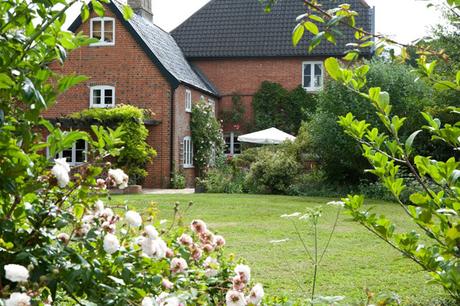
(238, 283)
(111, 243)
(151, 231)
(133, 218)
(256, 295)
(154, 247)
(171, 301)
(244, 272)
(167, 284)
(100, 183)
(16, 273)
(63, 237)
(196, 253)
(178, 265)
(219, 241)
(185, 239)
(99, 206)
(336, 203)
(147, 301)
(235, 298)
(18, 299)
(198, 226)
(119, 177)
(293, 215)
(61, 171)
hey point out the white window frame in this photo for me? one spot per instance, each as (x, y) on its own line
(187, 152)
(312, 87)
(232, 144)
(188, 100)
(103, 88)
(102, 42)
(73, 161)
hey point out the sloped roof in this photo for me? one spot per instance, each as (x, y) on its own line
(241, 28)
(162, 49)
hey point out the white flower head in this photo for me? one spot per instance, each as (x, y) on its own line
(151, 231)
(171, 301)
(336, 203)
(61, 171)
(293, 215)
(119, 177)
(18, 299)
(147, 301)
(178, 265)
(256, 295)
(16, 273)
(235, 298)
(133, 218)
(155, 248)
(198, 226)
(244, 272)
(111, 243)
(99, 206)
(185, 239)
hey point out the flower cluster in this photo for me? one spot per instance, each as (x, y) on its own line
(235, 296)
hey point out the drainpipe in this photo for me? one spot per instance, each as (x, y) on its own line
(172, 157)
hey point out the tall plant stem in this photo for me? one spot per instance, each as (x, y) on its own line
(315, 263)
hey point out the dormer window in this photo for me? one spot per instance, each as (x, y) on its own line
(102, 96)
(312, 76)
(103, 28)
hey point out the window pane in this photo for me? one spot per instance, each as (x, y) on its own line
(80, 144)
(80, 156)
(307, 75)
(236, 146)
(227, 144)
(108, 30)
(97, 29)
(97, 96)
(67, 154)
(318, 69)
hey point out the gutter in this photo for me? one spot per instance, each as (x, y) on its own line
(171, 159)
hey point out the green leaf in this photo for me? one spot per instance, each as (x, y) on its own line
(316, 18)
(444, 85)
(297, 34)
(311, 27)
(458, 78)
(5, 81)
(98, 7)
(69, 81)
(411, 138)
(78, 210)
(333, 68)
(127, 12)
(84, 12)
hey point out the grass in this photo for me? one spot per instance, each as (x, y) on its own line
(355, 260)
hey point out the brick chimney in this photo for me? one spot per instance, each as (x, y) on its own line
(142, 8)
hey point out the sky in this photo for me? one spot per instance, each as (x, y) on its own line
(402, 20)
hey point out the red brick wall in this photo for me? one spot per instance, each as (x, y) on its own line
(137, 81)
(182, 129)
(244, 76)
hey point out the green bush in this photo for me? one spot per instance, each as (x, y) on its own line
(275, 106)
(273, 171)
(339, 156)
(136, 152)
(178, 180)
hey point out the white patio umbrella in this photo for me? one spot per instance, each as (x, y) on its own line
(268, 136)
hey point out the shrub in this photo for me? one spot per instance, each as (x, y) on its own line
(177, 180)
(339, 155)
(225, 178)
(275, 106)
(136, 152)
(207, 138)
(273, 171)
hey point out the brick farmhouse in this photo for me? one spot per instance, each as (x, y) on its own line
(228, 47)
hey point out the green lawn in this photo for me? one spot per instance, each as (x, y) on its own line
(356, 259)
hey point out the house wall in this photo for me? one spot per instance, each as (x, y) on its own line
(244, 76)
(182, 129)
(137, 81)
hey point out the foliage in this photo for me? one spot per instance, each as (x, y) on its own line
(275, 106)
(273, 171)
(434, 210)
(225, 177)
(136, 152)
(326, 138)
(59, 243)
(235, 115)
(177, 180)
(206, 136)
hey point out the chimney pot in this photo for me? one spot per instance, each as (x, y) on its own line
(142, 8)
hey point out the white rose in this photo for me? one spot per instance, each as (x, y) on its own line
(235, 298)
(147, 301)
(120, 178)
(16, 273)
(133, 218)
(61, 171)
(111, 243)
(256, 295)
(151, 231)
(18, 299)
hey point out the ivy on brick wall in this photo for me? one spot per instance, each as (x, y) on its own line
(275, 106)
(136, 152)
(235, 114)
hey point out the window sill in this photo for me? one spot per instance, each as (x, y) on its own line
(313, 89)
(102, 44)
(188, 166)
(101, 106)
(188, 110)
